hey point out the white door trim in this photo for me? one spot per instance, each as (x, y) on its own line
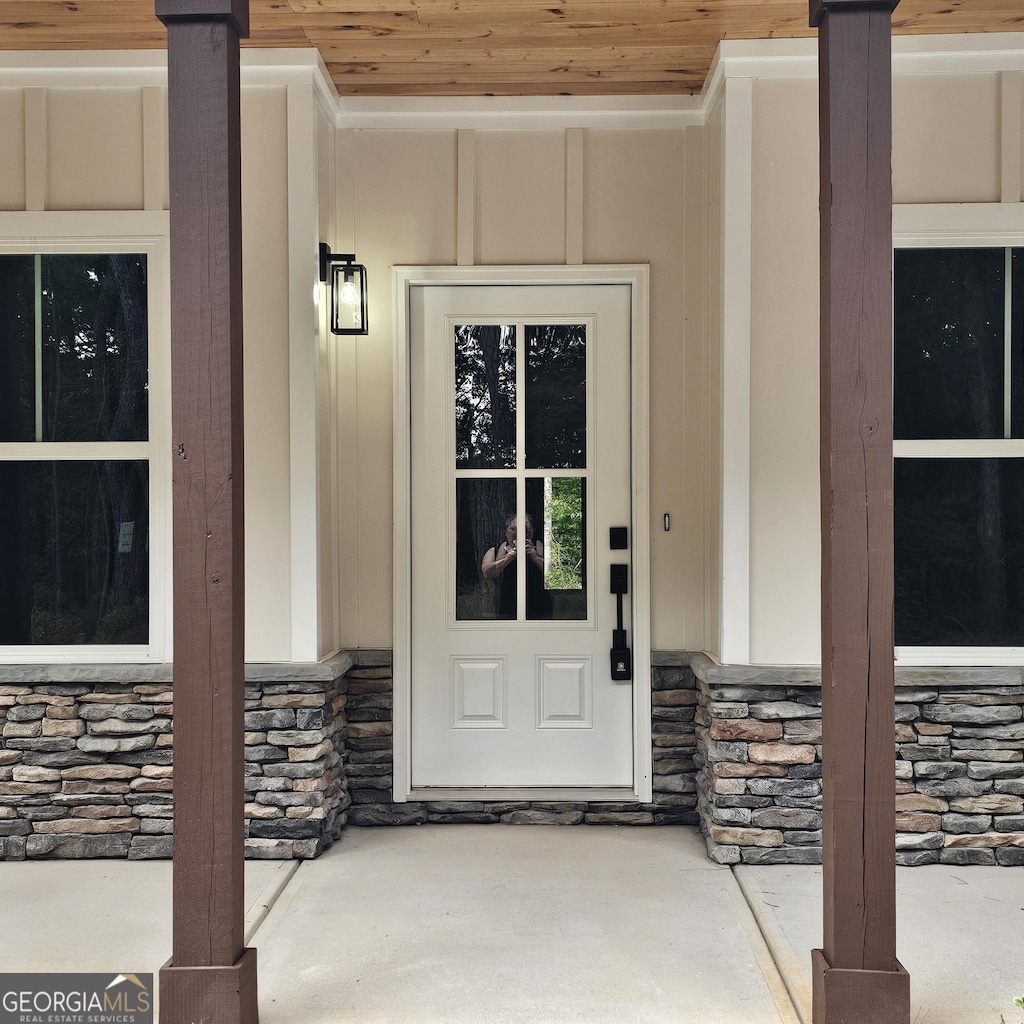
(637, 276)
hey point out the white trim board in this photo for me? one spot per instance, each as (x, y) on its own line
(957, 224)
(734, 565)
(952, 657)
(637, 276)
(305, 323)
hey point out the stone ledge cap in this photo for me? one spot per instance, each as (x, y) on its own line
(130, 673)
(709, 671)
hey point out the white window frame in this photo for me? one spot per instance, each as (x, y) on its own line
(952, 226)
(55, 233)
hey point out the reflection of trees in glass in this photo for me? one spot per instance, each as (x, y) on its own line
(556, 396)
(559, 509)
(81, 576)
(485, 400)
(481, 508)
(948, 343)
(91, 348)
(563, 533)
(75, 549)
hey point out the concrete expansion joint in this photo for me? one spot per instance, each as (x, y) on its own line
(784, 960)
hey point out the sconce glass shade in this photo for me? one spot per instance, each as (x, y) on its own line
(347, 281)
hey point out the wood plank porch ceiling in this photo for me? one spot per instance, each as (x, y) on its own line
(490, 47)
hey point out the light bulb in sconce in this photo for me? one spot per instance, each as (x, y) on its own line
(349, 292)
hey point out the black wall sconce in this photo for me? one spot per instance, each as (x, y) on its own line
(346, 280)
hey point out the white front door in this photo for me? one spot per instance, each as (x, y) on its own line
(520, 470)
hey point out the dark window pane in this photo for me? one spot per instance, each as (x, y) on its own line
(485, 397)
(558, 507)
(948, 343)
(75, 552)
(556, 396)
(482, 508)
(73, 348)
(959, 552)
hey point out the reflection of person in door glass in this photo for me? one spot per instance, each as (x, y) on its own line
(499, 564)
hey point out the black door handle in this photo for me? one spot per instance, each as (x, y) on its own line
(621, 656)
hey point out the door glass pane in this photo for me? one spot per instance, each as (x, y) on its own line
(948, 343)
(959, 552)
(75, 552)
(485, 396)
(485, 578)
(556, 396)
(73, 341)
(556, 581)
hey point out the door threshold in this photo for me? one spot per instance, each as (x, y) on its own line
(502, 794)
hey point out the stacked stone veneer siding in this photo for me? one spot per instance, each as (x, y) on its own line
(86, 760)
(959, 745)
(370, 765)
(86, 764)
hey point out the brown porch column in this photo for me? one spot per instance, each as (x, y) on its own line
(211, 977)
(856, 977)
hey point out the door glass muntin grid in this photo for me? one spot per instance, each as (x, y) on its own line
(480, 510)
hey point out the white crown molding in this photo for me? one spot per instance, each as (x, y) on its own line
(82, 68)
(410, 113)
(966, 53)
(136, 68)
(735, 58)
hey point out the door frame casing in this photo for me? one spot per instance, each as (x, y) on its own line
(637, 277)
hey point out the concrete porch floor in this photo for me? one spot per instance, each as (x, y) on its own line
(528, 925)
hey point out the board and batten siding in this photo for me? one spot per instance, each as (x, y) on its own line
(495, 197)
